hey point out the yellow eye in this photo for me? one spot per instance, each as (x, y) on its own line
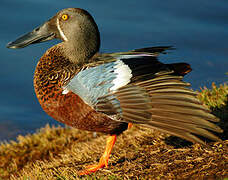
(65, 17)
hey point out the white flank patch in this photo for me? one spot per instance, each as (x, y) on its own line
(65, 91)
(123, 75)
(60, 31)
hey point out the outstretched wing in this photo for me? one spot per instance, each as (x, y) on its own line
(95, 82)
(140, 89)
(164, 103)
(112, 71)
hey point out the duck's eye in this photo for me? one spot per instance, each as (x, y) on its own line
(65, 17)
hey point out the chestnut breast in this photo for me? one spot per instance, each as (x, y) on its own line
(52, 72)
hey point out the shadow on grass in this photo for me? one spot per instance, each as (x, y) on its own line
(222, 114)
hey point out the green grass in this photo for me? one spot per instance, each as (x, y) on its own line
(216, 97)
(59, 153)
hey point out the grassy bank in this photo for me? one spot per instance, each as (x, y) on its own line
(59, 153)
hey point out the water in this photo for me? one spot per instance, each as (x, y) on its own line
(197, 28)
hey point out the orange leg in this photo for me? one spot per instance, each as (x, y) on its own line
(104, 158)
(130, 125)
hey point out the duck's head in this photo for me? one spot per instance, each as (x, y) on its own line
(75, 27)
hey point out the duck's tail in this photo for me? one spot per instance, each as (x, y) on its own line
(180, 69)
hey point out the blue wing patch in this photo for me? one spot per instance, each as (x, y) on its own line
(92, 83)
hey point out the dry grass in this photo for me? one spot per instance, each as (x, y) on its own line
(140, 153)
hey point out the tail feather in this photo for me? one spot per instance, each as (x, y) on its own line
(180, 69)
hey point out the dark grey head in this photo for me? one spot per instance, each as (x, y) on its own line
(74, 26)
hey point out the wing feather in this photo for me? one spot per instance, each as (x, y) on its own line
(165, 103)
(138, 88)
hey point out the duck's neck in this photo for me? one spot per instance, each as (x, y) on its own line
(82, 47)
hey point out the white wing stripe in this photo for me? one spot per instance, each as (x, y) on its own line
(129, 56)
(123, 75)
(95, 82)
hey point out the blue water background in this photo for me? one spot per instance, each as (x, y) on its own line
(197, 28)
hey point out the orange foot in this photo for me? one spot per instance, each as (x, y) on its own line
(104, 158)
(130, 125)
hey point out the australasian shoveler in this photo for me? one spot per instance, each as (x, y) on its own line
(80, 87)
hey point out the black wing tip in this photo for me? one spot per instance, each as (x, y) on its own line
(11, 45)
(181, 68)
(155, 49)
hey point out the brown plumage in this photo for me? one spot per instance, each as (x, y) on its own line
(80, 87)
(52, 72)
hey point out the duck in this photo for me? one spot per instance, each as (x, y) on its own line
(83, 88)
